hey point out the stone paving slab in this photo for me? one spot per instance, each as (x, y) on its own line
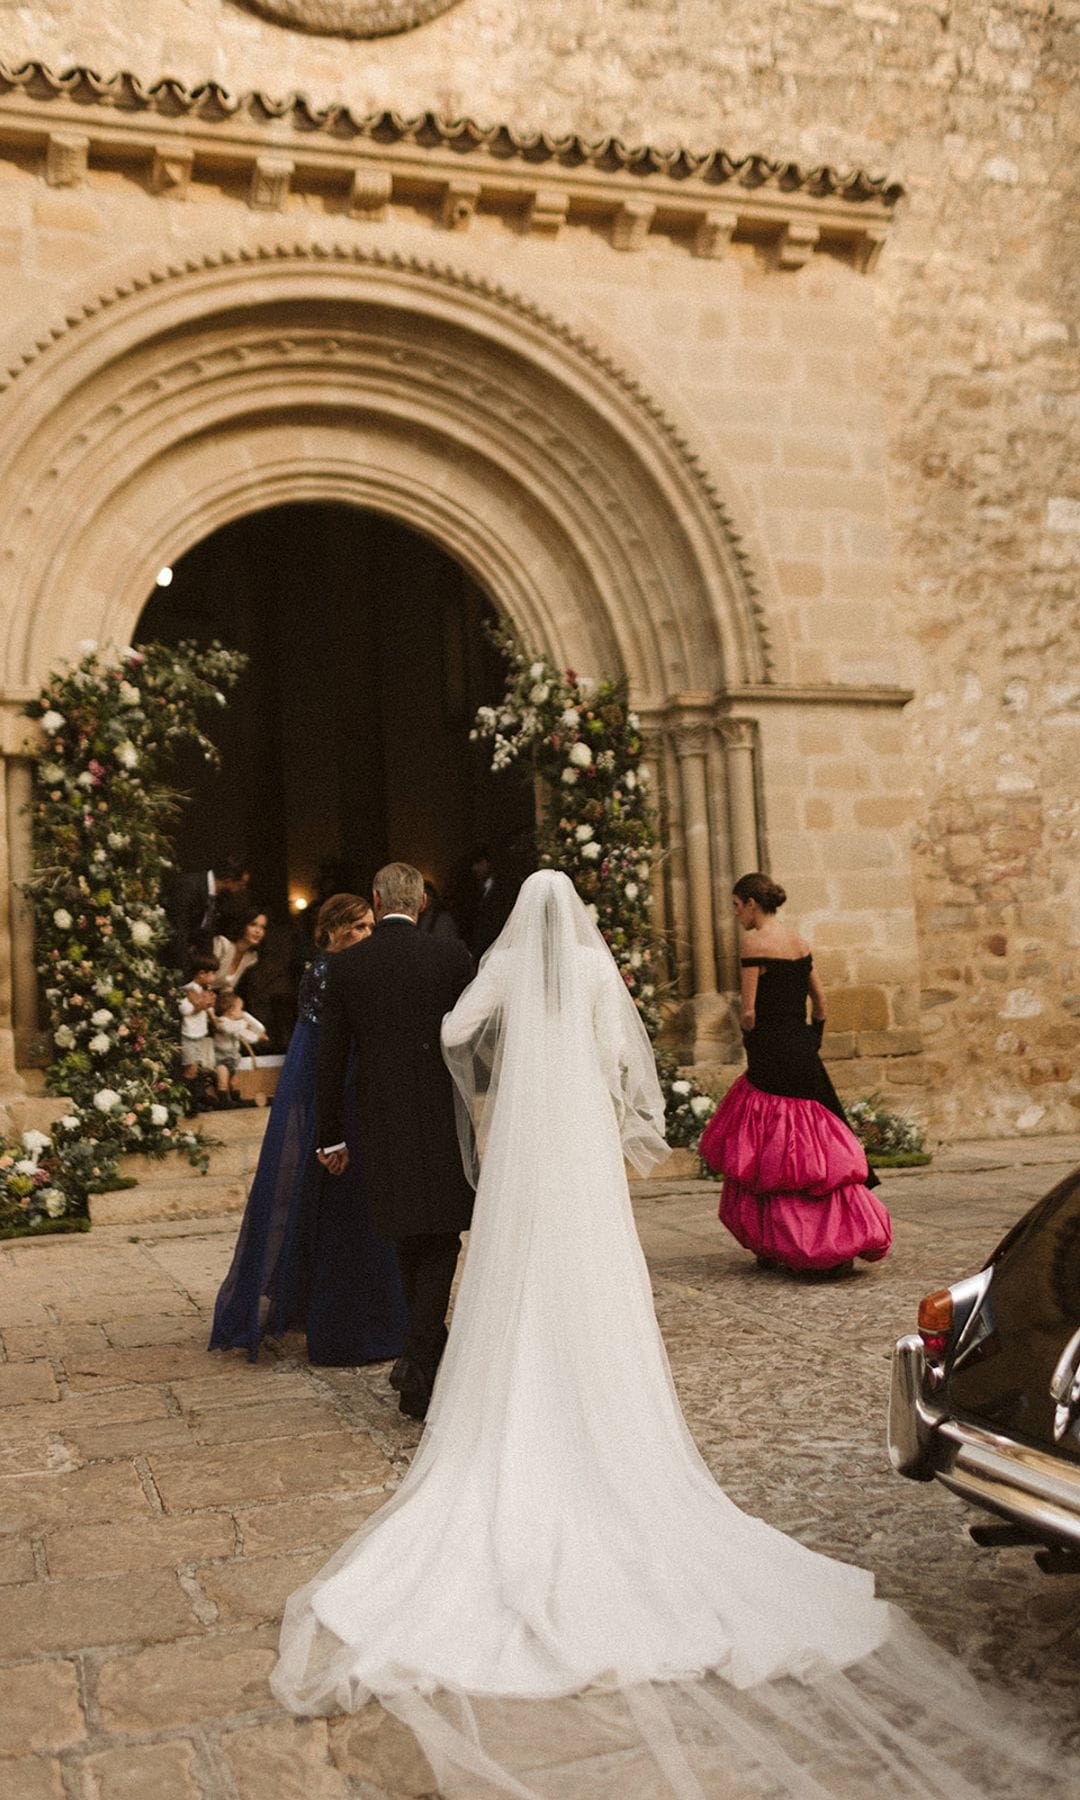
(157, 1502)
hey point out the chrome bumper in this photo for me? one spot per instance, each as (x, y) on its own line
(1021, 1483)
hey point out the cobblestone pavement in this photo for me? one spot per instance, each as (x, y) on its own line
(159, 1503)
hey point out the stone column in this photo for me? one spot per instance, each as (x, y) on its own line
(740, 738)
(692, 749)
(652, 765)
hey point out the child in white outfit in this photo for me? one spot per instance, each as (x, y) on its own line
(235, 1032)
(196, 1031)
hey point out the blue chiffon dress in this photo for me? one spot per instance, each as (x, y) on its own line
(308, 1257)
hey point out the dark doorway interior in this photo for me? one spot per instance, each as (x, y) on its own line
(347, 741)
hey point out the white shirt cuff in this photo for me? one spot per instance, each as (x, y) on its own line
(329, 1149)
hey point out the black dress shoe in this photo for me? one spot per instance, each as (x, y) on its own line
(414, 1402)
(399, 1374)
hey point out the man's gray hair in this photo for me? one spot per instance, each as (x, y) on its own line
(400, 887)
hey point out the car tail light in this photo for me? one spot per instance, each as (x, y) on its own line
(935, 1322)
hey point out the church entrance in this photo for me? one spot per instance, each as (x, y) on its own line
(347, 741)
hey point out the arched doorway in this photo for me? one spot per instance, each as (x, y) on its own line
(347, 741)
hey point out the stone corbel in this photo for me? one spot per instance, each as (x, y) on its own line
(691, 734)
(369, 196)
(798, 243)
(67, 158)
(170, 171)
(714, 231)
(459, 204)
(632, 224)
(546, 212)
(270, 181)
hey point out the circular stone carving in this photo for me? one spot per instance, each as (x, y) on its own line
(351, 18)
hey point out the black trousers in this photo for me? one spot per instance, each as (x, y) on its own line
(427, 1261)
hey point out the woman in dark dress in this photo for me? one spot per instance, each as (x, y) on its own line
(308, 1257)
(796, 1179)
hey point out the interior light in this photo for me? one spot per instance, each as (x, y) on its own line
(163, 578)
(300, 904)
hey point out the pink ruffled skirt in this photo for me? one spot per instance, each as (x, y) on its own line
(793, 1181)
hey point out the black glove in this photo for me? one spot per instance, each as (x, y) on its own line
(817, 1032)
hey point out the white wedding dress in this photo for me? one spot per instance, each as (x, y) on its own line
(559, 1600)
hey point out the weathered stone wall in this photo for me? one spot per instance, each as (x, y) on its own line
(975, 109)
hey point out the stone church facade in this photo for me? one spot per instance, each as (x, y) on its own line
(731, 350)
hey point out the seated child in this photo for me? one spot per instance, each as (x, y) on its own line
(235, 1032)
(196, 1026)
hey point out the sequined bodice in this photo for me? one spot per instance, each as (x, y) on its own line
(313, 989)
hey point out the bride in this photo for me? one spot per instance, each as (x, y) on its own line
(559, 1600)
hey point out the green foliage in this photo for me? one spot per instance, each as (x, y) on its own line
(887, 1137)
(111, 727)
(583, 742)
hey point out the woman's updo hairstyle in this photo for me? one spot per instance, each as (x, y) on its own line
(340, 910)
(768, 893)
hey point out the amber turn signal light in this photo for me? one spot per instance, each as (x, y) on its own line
(935, 1321)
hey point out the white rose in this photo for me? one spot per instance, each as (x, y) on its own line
(26, 1165)
(584, 833)
(53, 1201)
(140, 932)
(70, 1122)
(630, 780)
(592, 912)
(85, 780)
(98, 856)
(631, 890)
(118, 840)
(129, 694)
(101, 1017)
(644, 777)
(219, 697)
(35, 1142)
(644, 871)
(571, 718)
(636, 959)
(106, 1099)
(539, 693)
(62, 919)
(569, 777)
(51, 773)
(159, 1115)
(52, 722)
(633, 721)
(87, 646)
(580, 755)
(701, 1105)
(99, 1043)
(126, 754)
(104, 987)
(536, 671)
(591, 851)
(680, 1087)
(63, 1037)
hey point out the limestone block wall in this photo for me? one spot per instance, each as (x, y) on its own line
(904, 447)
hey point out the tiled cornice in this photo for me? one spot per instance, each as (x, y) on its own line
(263, 149)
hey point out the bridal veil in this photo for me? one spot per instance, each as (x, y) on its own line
(559, 1601)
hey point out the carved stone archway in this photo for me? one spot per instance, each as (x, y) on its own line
(185, 396)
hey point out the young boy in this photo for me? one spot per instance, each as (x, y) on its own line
(235, 1032)
(196, 1026)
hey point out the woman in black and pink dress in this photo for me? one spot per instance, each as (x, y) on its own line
(796, 1181)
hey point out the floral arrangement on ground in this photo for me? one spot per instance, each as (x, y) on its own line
(891, 1140)
(581, 739)
(111, 726)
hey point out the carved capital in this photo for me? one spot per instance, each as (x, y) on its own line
(67, 155)
(738, 734)
(691, 737)
(270, 179)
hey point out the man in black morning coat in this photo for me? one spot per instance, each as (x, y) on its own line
(388, 995)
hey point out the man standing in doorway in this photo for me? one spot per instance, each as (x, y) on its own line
(388, 996)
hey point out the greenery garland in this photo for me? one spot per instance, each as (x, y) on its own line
(582, 741)
(111, 727)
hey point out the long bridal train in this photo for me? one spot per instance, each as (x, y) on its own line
(559, 1601)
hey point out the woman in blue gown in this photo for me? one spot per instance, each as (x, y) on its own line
(308, 1257)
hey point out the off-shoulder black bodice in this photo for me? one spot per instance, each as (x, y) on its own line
(782, 989)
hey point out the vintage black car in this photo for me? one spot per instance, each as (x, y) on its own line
(986, 1395)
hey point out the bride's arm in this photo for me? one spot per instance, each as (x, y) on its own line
(480, 999)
